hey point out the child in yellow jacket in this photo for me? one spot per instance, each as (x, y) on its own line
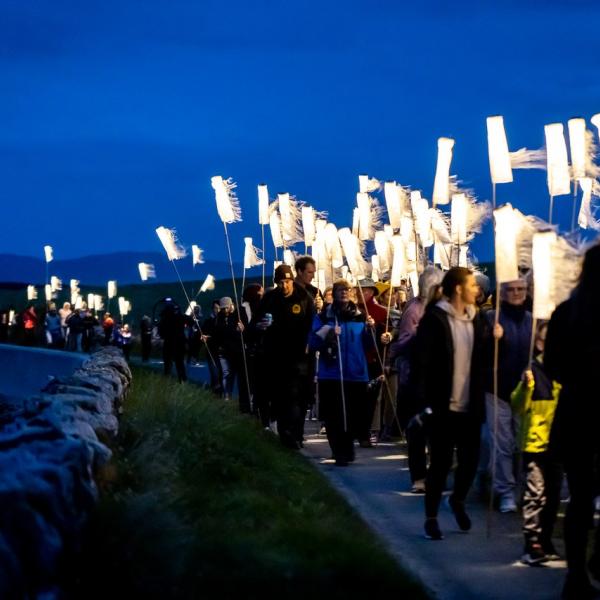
(535, 399)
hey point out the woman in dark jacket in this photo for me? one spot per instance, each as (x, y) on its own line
(341, 336)
(450, 391)
(571, 357)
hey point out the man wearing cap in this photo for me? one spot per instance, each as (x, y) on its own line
(284, 319)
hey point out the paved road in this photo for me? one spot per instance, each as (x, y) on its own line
(463, 565)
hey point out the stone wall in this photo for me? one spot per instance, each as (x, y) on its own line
(49, 452)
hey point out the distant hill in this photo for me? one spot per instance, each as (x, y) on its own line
(98, 269)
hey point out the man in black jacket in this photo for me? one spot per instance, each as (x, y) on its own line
(284, 317)
(450, 391)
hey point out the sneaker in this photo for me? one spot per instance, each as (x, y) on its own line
(462, 518)
(322, 431)
(533, 554)
(550, 551)
(418, 487)
(507, 504)
(432, 530)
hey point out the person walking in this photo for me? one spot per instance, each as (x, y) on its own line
(449, 389)
(124, 339)
(342, 335)
(284, 319)
(146, 337)
(171, 328)
(534, 400)
(571, 357)
(514, 331)
(228, 332)
(402, 354)
(52, 324)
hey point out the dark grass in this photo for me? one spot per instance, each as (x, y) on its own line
(200, 502)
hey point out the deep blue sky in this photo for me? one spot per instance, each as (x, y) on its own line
(115, 114)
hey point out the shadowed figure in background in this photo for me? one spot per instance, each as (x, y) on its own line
(171, 328)
(572, 357)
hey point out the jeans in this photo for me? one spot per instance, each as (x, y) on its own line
(506, 447)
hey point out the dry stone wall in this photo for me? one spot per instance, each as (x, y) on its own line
(49, 453)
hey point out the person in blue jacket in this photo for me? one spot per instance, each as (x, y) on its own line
(341, 335)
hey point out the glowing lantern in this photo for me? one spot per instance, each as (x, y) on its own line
(499, 157)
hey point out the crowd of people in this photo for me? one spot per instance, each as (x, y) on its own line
(446, 370)
(74, 329)
(472, 382)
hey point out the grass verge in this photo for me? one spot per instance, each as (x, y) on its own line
(198, 499)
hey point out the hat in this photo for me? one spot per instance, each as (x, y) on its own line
(483, 281)
(382, 287)
(283, 272)
(367, 282)
(225, 302)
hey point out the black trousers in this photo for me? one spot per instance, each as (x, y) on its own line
(146, 346)
(447, 432)
(279, 392)
(416, 442)
(341, 432)
(580, 464)
(174, 353)
(366, 409)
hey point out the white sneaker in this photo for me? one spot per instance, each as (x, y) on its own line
(418, 487)
(507, 505)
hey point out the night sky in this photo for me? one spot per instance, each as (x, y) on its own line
(115, 114)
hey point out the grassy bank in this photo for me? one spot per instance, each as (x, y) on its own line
(199, 500)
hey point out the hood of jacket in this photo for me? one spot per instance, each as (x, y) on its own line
(468, 315)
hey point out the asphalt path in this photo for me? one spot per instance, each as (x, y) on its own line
(463, 565)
